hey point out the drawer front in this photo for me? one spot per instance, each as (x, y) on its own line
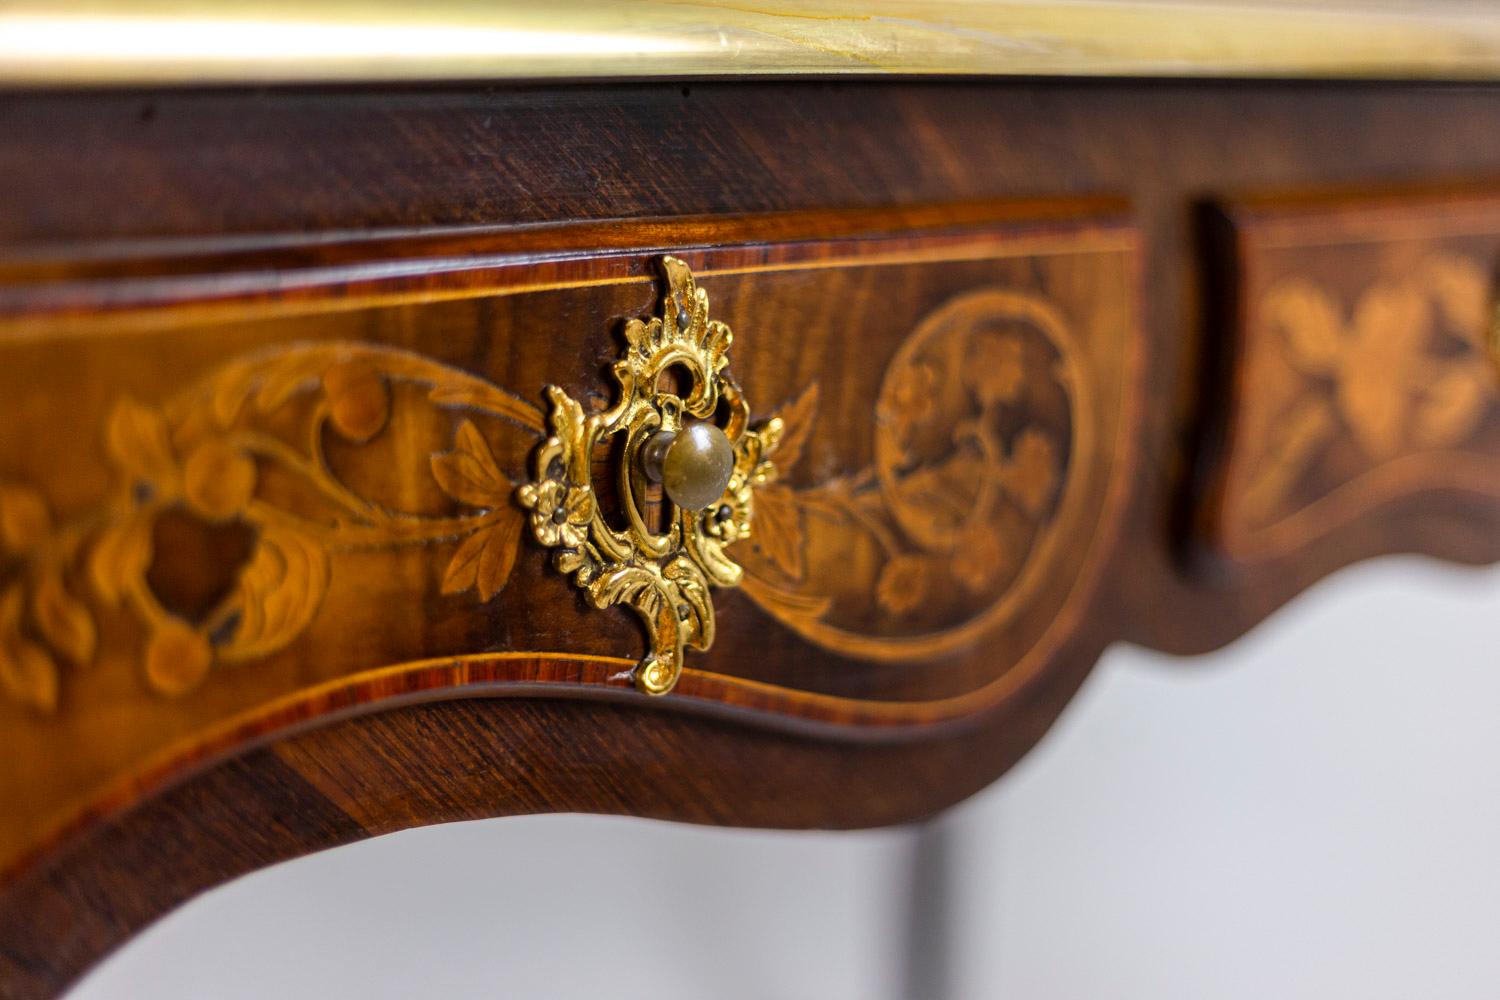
(1359, 376)
(238, 500)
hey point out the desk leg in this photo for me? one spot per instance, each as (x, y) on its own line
(930, 899)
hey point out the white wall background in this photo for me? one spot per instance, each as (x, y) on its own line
(1313, 812)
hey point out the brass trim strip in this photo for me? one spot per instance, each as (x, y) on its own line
(176, 42)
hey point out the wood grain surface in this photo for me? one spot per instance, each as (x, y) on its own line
(251, 341)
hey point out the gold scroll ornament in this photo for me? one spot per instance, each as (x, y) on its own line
(665, 576)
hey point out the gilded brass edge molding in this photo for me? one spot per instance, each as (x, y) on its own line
(108, 42)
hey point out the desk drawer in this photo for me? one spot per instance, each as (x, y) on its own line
(242, 493)
(1359, 378)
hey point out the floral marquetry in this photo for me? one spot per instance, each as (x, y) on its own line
(1362, 370)
(203, 455)
(974, 433)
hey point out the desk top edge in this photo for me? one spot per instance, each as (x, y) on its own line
(49, 43)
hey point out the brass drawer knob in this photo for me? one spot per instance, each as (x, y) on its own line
(693, 465)
(706, 458)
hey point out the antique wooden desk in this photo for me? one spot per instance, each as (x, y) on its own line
(297, 547)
